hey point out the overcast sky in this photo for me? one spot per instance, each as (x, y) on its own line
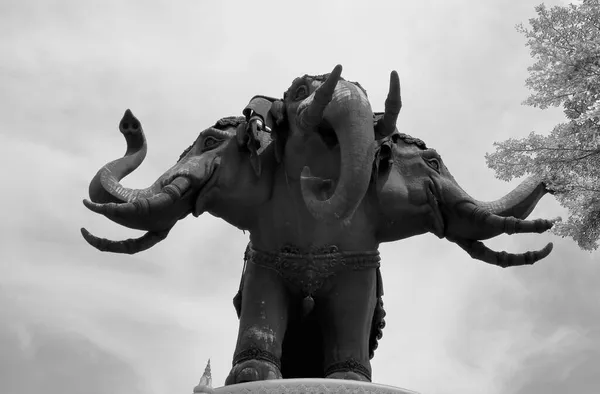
(75, 320)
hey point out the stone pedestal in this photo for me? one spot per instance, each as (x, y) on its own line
(304, 386)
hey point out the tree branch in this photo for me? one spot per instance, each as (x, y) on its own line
(592, 151)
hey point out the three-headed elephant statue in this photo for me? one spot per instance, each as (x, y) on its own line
(320, 181)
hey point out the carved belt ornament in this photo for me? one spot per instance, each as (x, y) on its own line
(311, 269)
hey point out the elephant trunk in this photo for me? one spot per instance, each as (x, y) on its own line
(345, 107)
(105, 186)
(491, 225)
(479, 251)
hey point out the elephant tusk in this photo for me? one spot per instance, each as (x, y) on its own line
(127, 246)
(313, 114)
(519, 202)
(121, 213)
(387, 125)
(479, 251)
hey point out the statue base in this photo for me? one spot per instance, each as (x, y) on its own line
(304, 386)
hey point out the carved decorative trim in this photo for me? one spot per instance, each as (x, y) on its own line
(350, 365)
(256, 354)
(309, 386)
(310, 269)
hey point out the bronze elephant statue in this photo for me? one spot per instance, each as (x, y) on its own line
(319, 181)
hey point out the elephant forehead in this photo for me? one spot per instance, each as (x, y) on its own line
(406, 150)
(301, 81)
(226, 132)
(219, 134)
(223, 134)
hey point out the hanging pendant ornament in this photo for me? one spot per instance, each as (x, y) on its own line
(308, 303)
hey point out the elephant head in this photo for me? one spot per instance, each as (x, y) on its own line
(214, 174)
(418, 194)
(325, 119)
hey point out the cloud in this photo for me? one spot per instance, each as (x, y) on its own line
(563, 308)
(36, 357)
(542, 324)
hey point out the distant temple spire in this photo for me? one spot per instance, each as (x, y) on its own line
(205, 381)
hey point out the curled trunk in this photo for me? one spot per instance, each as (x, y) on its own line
(153, 209)
(349, 114)
(105, 187)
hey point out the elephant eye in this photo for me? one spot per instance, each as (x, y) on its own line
(210, 142)
(433, 163)
(301, 92)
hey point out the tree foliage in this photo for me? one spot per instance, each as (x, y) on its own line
(565, 43)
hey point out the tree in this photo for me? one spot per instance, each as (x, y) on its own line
(565, 42)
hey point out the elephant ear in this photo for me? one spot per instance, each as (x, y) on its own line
(255, 139)
(277, 112)
(383, 160)
(280, 128)
(272, 113)
(383, 151)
